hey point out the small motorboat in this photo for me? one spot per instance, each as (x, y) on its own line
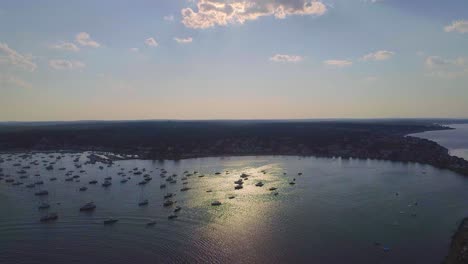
(172, 216)
(177, 209)
(184, 189)
(88, 207)
(106, 184)
(123, 181)
(168, 203)
(238, 187)
(272, 188)
(31, 185)
(216, 203)
(53, 179)
(151, 223)
(49, 217)
(108, 178)
(143, 203)
(231, 197)
(110, 221)
(169, 195)
(84, 188)
(93, 182)
(162, 186)
(240, 181)
(259, 184)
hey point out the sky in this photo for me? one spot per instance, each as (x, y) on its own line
(232, 59)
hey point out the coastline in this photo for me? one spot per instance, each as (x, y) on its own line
(458, 253)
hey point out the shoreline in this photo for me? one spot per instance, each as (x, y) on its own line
(458, 251)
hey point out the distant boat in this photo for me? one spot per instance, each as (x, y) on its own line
(84, 188)
(44, 206)
(110, 221)
(168, 203)
(172, 216)
(238, 187)
(106, 184)
(93, 182)
(41, 193)
(143, 203)
(259, 184)
(151, 223)
(49, 217)
(123, 180)
(162, 186)
(216, 203)
(88, 207)
(231, 197)
(53, 179)
(272, 188)
(240, 181)
(169, 195)
(177, 209)
(185, 189)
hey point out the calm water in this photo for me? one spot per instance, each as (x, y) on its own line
(335, 213)
(455, 140)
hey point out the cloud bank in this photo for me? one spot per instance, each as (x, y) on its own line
(211, 13)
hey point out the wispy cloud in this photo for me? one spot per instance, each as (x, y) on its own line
(84, 39)
(66, 64)
(10, 80)
(68, 46)
(169, 18)
(380, 55)
(151, 42)
(12, 57)
(210, 13)
(183, 40)
(134, 49)
(460, 26)
(286, 58)
(338, 63)
(446, 68)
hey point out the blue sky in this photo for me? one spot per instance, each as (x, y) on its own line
(232, 59)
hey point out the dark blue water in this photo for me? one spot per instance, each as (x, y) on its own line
(339, 211)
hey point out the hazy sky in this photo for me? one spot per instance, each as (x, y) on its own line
(232, 59)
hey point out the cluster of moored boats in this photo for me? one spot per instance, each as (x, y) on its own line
(49, 162)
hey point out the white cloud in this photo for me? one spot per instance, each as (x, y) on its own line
(151, 42)
(84, 39)
(380, 55)
(446, 68)
(134, 49)
(66, 65)
(11, 56)
(210, 13)
(65, 46)
(286, 58)
(10, 80)
(183, 40)
(338, 63)
(169, 18)
(460, 26)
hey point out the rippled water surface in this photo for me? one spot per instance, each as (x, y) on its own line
(339, 211)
